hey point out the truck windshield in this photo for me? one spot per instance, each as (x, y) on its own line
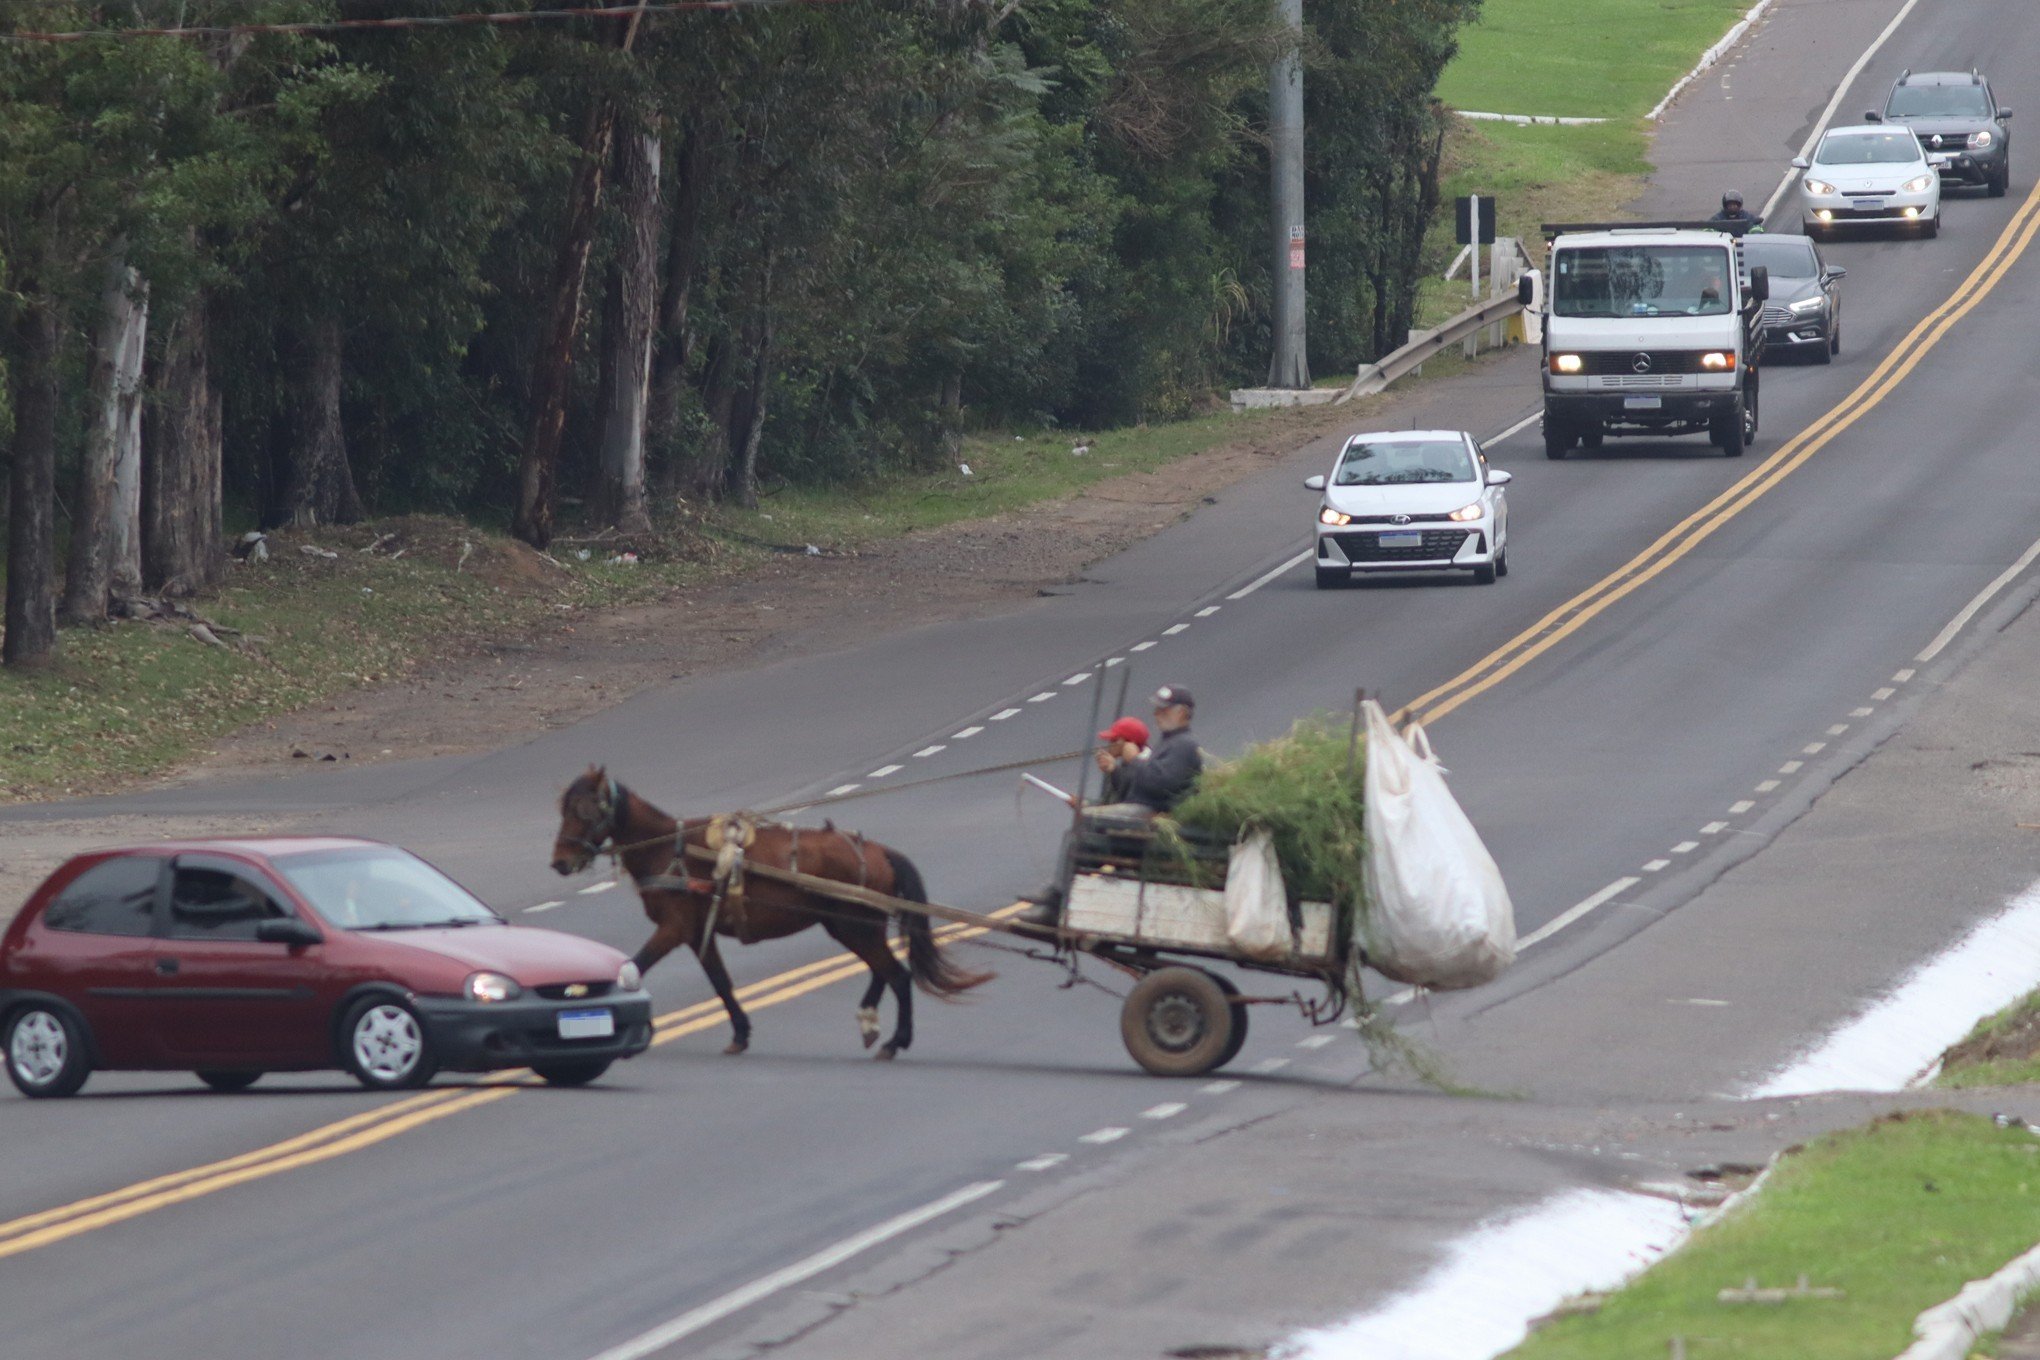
(1393, 462)
(1938, 101)
(1641, 281)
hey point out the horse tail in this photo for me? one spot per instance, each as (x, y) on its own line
(934, 970)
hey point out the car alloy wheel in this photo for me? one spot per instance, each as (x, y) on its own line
(45, 1053)
(386, 1046)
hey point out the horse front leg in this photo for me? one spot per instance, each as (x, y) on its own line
(669, 935)
(719, 978)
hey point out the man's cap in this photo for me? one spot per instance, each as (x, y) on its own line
(1126, 729)
(1173, 694)
(1732, 196)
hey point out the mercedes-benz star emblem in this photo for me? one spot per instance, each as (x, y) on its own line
(1640, 364)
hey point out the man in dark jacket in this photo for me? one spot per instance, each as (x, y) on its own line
(1145, 784)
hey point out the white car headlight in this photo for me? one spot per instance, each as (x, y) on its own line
(1812, 304)
(1819, 186)
(1980, 140)
(628, 977)
(1467, 512)
(1331, 516)
(491, 987)
(1919, 184)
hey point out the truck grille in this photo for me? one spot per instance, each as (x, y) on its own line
(1614, 361)
(1438, 545)
(1635, 381)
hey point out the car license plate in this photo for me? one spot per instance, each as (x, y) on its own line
(1643, 403)
(587, 1024)
(1867, 204)
(1415, 540)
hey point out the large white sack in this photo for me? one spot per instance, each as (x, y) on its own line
(1256, 906)
(1440, 916)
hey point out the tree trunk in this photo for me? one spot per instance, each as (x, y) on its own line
(31, 624)
(744, 438)
(125, 538)
(320, 489)
(634, 280)
(673, 343)
(182, 527)
(113, 379)
(719, 400)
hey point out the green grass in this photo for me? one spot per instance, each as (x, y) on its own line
(1581, 58)
(1999, 1051)
(1900, 1215)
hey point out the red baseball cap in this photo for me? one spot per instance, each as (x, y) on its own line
(1126, 729)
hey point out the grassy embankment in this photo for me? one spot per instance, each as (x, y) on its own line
(1898, 1215)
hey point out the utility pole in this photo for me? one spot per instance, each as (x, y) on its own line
(1289, 367)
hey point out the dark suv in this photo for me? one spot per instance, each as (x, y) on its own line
(1958, 121)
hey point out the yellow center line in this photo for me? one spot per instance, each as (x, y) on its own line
(370, 1127)
(1683, 537)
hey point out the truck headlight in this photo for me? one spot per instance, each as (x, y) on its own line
(1467, 512)
(1718, 361)
(1819, 186)
(1919, 184)
(1567, 363)
(629, 977)
(1805, 305)
(1979, 140)
(1331, 516)
(491, 987)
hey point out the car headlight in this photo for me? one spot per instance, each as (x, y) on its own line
(1567, 363)
(1979, 140)
(491, 987)
(1331, 516)
(1919, 184)
(629, 978)
(1819, 186)
(1805, 305)
(1717, 361)
(1467, 512)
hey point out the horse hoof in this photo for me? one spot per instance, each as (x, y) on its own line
(736, 1046)
(886, 1054)
(870, 1039)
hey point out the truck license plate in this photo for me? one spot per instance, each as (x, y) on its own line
(1643, 403)
(587, 1024)
(1415, 540)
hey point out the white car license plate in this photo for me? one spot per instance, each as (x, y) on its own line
(587, 1024)
(1415, 540)
(1867, 204)
(1643, 403)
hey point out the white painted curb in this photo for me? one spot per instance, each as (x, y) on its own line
(1712, 55)
(1948, 1330)
(1526, 119)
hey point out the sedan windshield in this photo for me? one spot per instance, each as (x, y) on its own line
(1938, 101)
(1867, 148)
(1784, 259)
(1641, 281)
(1395, 462)
(381, 888)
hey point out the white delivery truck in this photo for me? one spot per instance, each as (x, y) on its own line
(1650, 329)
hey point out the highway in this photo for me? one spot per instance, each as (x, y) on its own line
(1688, 653)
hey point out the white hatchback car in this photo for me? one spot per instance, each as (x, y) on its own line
(1876, 173)
(1413, 500)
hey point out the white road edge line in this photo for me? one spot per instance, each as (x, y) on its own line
(692, 1321)
(1270, 575)
(1983, 597)
(1525, 423)
(1574, 913)
(1827, 114)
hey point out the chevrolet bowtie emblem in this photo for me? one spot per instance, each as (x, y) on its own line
(575, 989)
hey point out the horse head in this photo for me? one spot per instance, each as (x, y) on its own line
(589, 810)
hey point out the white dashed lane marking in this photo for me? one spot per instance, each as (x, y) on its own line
(1271, 1064)
(1739, 808)
(839, 790)
(1112, 661)
(1166, 1110)
(1767, 786)
(1861, 712)
(1838, 729)
(1104, 1135)
(1042, 697)
(1573, 913)
(1004, 714)
(966, 732)
(1140, 646)
(1685, 847)
(544, 906)
(1219, 1088)
(1882, 694)
(1314, 1041)
(1655, 865)
(1813, 748)
(1791, 767)
(1903, 676)
(594, 888)
(1044, 1161)
(882, 771)
(1174, 629)
(927, 751)
(1207, 611)
(1714, 828)
(1079, 678)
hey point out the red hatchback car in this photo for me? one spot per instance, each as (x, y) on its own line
(231, 958)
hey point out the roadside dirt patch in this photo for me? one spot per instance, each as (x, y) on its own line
(2016, 1040)
(509, 688)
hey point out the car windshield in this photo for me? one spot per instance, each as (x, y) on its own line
(1784, 259)
(1641, 281)
(1396, 462)
(1867, 148)
(381, 888)
(1938, 101)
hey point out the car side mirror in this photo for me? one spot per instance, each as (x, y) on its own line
(1760, 283)
(1872, 116)
(2004, 115)
(1526, 289)
(287, 930)
(1316, 483)
(1835, 271)
(1801, 163)
(1497, 477)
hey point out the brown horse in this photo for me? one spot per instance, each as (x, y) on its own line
(598, 815)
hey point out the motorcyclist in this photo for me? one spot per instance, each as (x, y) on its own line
(1733, 215)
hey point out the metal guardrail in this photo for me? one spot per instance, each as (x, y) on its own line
(1376, 377)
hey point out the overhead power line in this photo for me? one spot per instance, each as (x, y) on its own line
(486, 17)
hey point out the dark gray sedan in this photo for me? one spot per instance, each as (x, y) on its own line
(1803, 315)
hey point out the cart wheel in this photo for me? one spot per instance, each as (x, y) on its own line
(1239, 1020)
(1178, 1023)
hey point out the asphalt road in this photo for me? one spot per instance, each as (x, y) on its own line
(546, 1223)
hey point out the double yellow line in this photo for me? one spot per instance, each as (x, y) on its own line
(359, 1131)
(1691, 531)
